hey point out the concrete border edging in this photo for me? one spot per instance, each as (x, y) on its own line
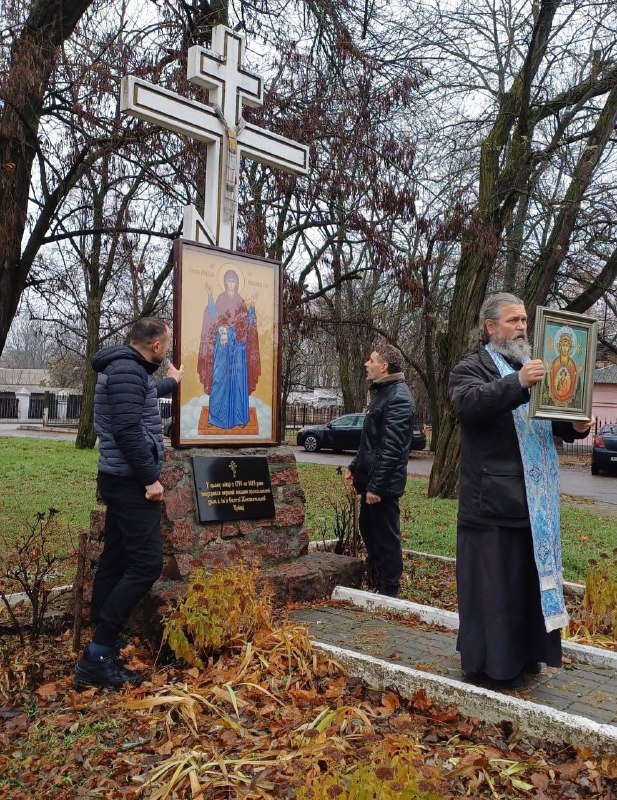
(581, 653)
(21, 597)
(531, 718)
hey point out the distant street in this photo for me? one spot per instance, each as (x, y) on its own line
(575, 481)
(34, 432)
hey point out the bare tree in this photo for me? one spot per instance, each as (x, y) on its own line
(31, 49)
(536, 89)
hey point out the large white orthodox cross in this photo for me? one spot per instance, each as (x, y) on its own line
(221, 125)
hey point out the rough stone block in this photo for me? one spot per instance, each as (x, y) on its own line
(284, 477)
(289, 515)
(171, 474)
(179, 502)
(208, 533)
(289, 494)
(280, 544)
(284, 456)
(223, 554)
(229, 530)
(312, 577)
(178, 537)
(178, 567)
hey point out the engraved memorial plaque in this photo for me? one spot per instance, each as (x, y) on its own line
(232, 487)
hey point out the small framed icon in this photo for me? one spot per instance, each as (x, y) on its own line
(566, 343)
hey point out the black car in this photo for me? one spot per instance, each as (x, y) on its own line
(604, 450)
(343, 433)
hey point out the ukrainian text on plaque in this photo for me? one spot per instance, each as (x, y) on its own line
(232, 487)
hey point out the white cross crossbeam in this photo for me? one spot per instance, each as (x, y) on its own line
(221, 126)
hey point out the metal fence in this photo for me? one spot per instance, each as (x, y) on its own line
(165, 408)
(297, 416)
(37, 404)
(9, 405)
(49, 407)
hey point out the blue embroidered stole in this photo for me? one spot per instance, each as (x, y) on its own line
(541, 472)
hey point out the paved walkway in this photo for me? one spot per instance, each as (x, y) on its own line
(580, 689)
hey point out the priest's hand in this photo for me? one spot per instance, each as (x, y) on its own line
(531, 373)
(584, 427)
(372, 499)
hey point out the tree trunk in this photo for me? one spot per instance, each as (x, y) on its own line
(431, 377)
(478, 251)
(86, 435)
(444, 474)
(49, 25)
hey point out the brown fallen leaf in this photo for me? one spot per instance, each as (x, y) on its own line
(540, 780)
(49, 691)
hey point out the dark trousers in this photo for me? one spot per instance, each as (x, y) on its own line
(132, 556)
(381, 532)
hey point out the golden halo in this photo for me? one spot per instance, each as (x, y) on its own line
(221, 274)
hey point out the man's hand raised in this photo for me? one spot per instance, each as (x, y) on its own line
(174, 373)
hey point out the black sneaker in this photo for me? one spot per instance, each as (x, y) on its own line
(106, 673)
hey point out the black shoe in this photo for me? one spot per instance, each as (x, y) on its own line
(106, 673)
(484, 680)
(516, 682)
(533, 668)
(477, 678)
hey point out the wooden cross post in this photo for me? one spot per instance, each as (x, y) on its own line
(221, 126)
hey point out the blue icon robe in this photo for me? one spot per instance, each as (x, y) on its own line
(229, 363)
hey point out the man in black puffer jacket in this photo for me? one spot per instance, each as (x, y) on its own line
(130, 431)
(379, 470)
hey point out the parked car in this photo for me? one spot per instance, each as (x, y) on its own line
(604, 450)
(343, 433)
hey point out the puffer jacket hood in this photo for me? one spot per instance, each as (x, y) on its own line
(115, 351)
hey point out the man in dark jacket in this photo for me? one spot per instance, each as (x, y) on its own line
(509, 572)
(379, 470)
(130, 432)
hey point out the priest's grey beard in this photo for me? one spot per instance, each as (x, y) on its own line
(517, 349)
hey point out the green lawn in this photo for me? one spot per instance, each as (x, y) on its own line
(36, 474)
(430, 525)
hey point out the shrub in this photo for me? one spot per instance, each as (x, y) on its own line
(219, 610)
(29, 563)
(600, 600)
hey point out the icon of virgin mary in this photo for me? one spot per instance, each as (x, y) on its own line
(228, 364)
(563, 375)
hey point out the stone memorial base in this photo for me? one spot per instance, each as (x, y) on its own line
(280, 544)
